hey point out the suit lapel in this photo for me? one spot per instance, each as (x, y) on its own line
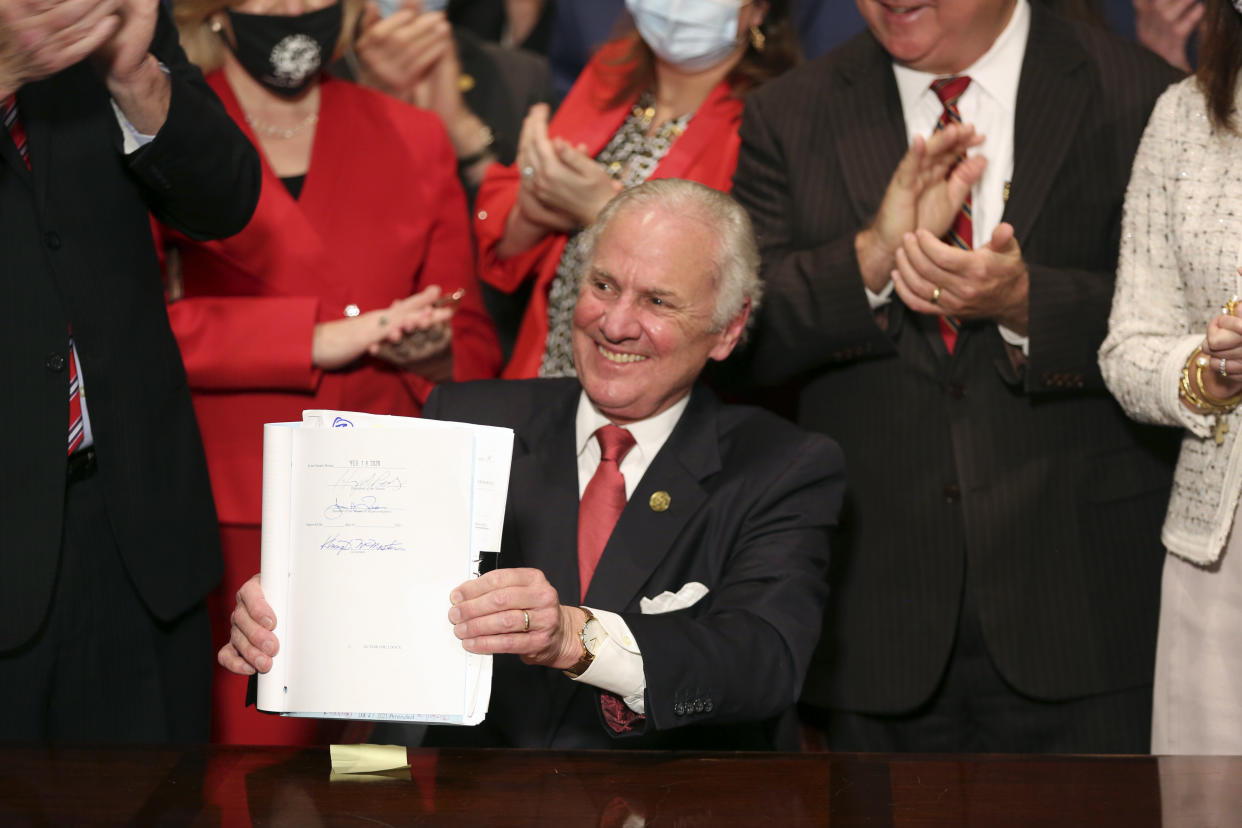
(869, 132)
(719, 113)
(294, 268)
(643, 536)
(544, 489)
(37, 113)
(1052, 94)
(595, 131)
(13, 160)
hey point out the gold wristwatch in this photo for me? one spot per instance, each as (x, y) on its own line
(592, 636)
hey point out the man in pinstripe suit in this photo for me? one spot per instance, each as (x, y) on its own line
(998, 582)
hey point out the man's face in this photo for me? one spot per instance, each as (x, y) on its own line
(939, 36)
(643, 323)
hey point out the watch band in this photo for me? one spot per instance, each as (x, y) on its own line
(584, 661)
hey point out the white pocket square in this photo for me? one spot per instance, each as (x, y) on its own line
(687, 596)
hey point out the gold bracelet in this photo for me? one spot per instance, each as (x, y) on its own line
(1187, 394)
(1186, 390)
(1222, 406)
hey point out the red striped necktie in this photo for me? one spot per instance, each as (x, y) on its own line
(961, 232)
(77, 430)
(602, 501)
(8, 111)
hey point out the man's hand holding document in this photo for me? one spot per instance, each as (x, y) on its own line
(369, 522)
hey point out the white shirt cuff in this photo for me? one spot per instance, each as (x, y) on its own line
(131, 139)
(1016, 340)
(879, 300)
(618, 666)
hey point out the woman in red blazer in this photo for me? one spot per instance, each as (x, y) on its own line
(328, 298)
(664, 102)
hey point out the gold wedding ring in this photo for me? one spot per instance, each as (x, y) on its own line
(935, 295)
(525, 621)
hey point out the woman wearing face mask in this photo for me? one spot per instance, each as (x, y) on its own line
(328, 298)
(664, 102)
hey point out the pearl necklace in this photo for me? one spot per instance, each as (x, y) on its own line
(272, 131)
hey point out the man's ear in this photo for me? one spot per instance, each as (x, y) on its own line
(728, 338)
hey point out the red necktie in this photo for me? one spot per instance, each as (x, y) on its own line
(602, 502)
(76, 431)
(961, 233)
(8, 111)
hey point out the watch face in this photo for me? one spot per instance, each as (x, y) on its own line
(592, 635)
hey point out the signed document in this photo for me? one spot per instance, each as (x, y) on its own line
(368, 523)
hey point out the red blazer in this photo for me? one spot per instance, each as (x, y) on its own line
(705, 152)
(381, 216)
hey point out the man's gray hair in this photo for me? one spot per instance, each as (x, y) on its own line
(736, 257)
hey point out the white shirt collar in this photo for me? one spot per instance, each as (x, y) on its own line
(649, 434)
(995, 74)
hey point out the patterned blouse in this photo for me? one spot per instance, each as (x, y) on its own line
(630, 157)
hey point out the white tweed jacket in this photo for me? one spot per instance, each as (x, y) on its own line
(1181, 245)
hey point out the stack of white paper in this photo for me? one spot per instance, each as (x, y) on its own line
(368, 523)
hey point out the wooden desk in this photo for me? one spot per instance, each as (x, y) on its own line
(285, 786)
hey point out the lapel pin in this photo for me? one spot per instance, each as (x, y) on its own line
(659, 501)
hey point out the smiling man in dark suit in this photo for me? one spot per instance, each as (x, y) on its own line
(998, 576)
(700, 609)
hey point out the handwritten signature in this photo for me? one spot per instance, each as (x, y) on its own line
(338, 544)
(366, 505)
(372, 480)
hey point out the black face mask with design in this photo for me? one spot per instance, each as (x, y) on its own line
(285, 52)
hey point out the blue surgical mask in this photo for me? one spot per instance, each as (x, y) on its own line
(387, 7)
(692, 35)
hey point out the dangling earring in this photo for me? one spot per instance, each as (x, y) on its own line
(757, 38)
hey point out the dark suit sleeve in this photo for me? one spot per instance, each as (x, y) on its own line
(1071, 246)
(431, 408)
(1068, 318)
(742, 652)
(815, 308)
(200, 174)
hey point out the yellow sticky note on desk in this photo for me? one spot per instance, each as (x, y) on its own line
(368, 758)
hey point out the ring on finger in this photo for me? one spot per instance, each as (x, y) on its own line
(528, 172)
(1222, 371)
(525, 621)
(935, 297)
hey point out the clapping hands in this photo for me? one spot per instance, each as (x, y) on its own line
(39, 38)
(921, 194)
(560, 178)
(410, 55)
(412, 333)
(561, 187)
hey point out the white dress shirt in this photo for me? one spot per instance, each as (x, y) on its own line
(989, 103)
(618, 666)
